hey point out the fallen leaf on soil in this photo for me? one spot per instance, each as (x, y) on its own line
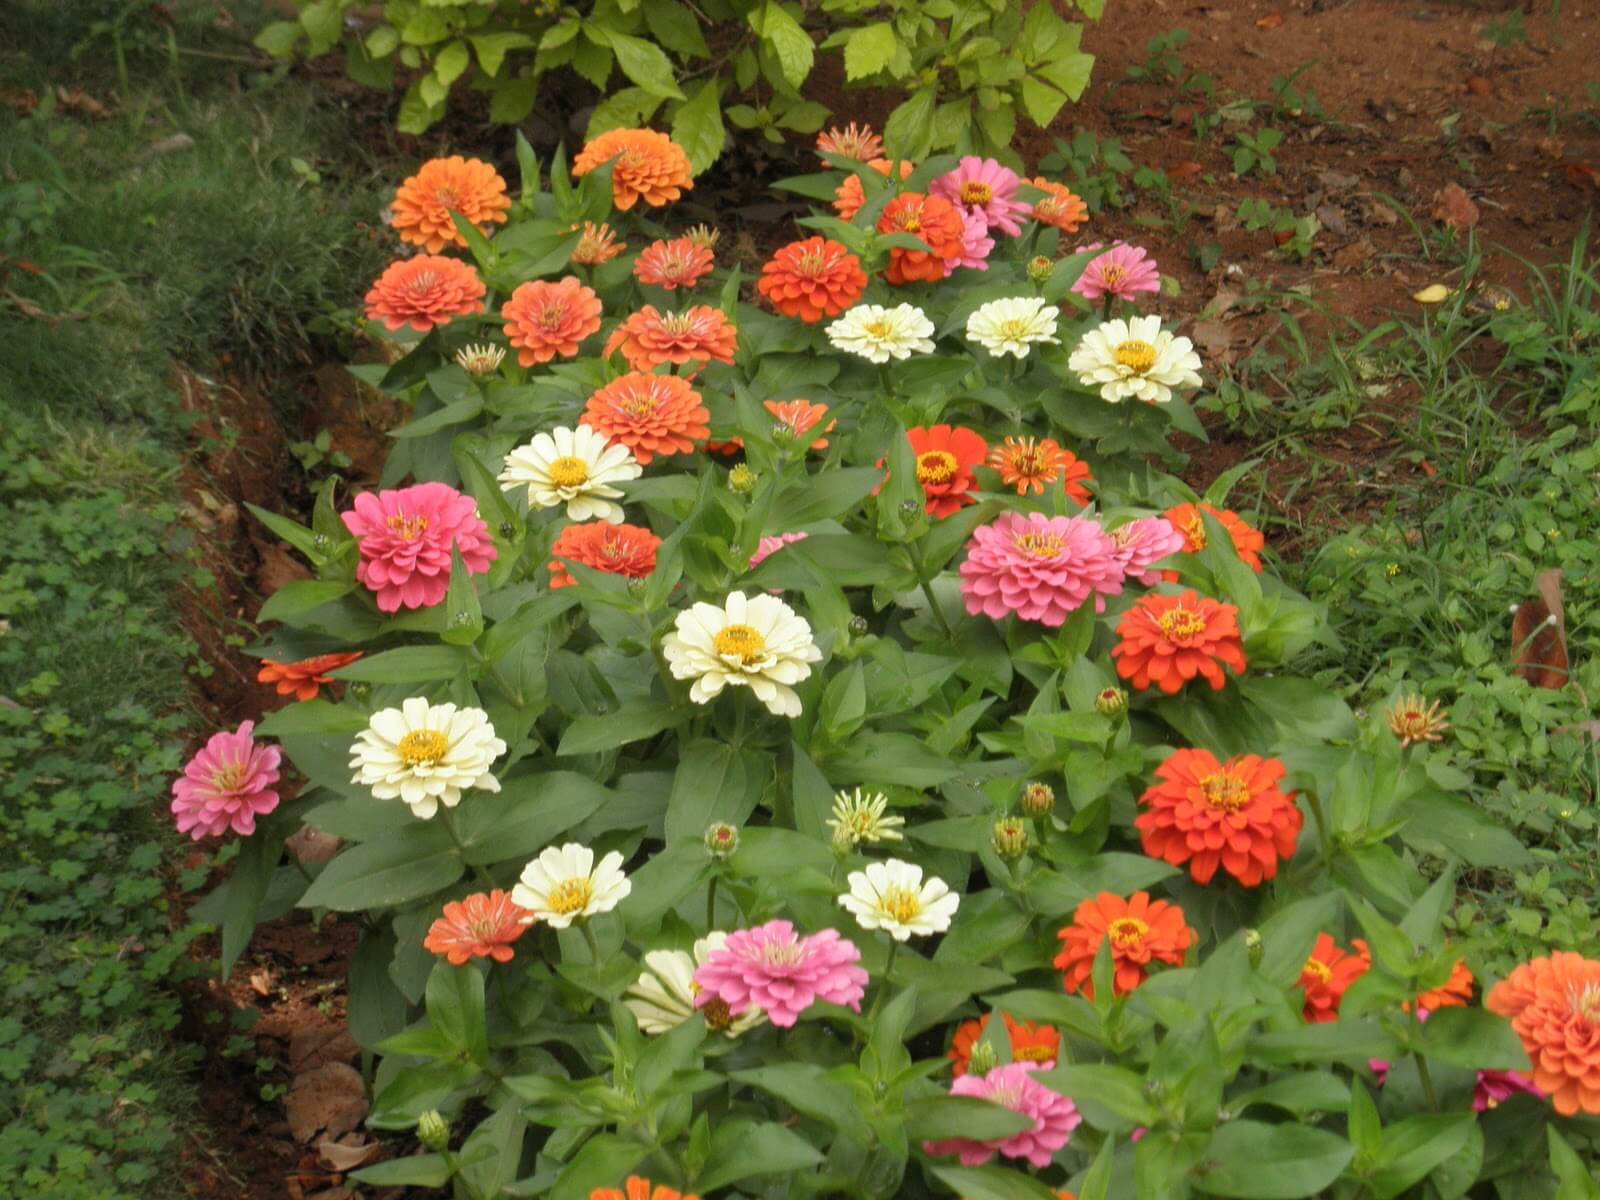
(1538, 635)
(1338, 181)
(1184, 170)
(1355, 255)
(1479, 86)
(313, 1046)
(278, 567)
(1434, 293)
(1582, 175)
(79, 100)
(173, 144)
(1551, 147)
(330, 1097)
(348, 1153)
(1216, 338)
(311, 846)
(1270, 21)
(1332, 218)
(261, 982)
(1455, 208)
(22, 99)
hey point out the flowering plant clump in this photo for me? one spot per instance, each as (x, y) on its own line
(732, 700)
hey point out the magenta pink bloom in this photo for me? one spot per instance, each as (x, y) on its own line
(1145, 541)
(772, 968)
(981, 187)
(1041, 568)
(975, 245)
(1122, 271)
(228, 784)
(767, 546)
(1054, 1116)
(406, 536)
(1495, 1087)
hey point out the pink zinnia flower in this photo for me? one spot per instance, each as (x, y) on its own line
(1495, 1087)
(1145, 541)
(405, 537)
(1054, 1116)
(226, 785)
(981, 187)
(1122, 271)
(769, 545)
(1041, 568)
(975, 245)
(771, 968)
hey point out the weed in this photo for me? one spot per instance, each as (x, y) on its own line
(1098, 169)
(1253, 152)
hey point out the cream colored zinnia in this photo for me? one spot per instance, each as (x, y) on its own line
(893, 896)
(564, 883)
(426, 754)
(575, 467)
(1013, 325)
(878, 334)
(757, 642)
(1135, 359)
(663, 996)
(861, 818)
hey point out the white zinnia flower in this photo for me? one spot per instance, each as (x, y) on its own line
(878, 334)
(425, 754)
(663, 996)
(757, 642)
(574, 467)
(893, 897)
(1135, 358)
(564, 883)
(861, 819)
(1013, 325)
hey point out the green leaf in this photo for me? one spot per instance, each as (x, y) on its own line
(527, 815)
(409, 664)
(677, 28)
(1041, 101)
(623, 109)
(1444, 825)
(804, 1087)
(790, 44)
(604, 1161)
(1288, 936)
(278, 39)
(418, 1170)
(1299, 1093)
(1253, 1161)
(869, 50)
(992, 1183)
(513, 100)
(962, 1117)
(454, 1000)
(246, 888)
(1473, 1037)
(633, 722)
(311, 716)
(492, 49)
(302, 596)
(324, 23)
(697, 125)
(1415, 1146)
(1115, 1088)
(418, 861)
(1575, 1180)
(742, 1149)
(645, 64)
(451, 62)
(463, 618)
(714, 782)
(908, 133)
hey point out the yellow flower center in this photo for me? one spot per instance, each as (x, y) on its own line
(551, 316)
(716, 1013)
(1014, 330)
(901, 904)
(1181, 625)
(811, 263)
(976, 193)
(910, 222)
(447, 198)
(741, 642)
(881, 330)
(483, 929)
(409, 528)
(1225, 790)
(423, 748)
(638, 404)
(1318, 970)
(1195, 530)
(569, 472)
(936, 466)
(1111, 275)
(229, 776)
(1035, 1053)
(1039, 545)
(1137, 356)
(571, 895)
(1126, 932)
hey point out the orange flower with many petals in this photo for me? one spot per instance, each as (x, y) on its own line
(1187, 520)
(649, 338)
(1168, 640)
(853, 141)
(1553, 1004)
(1030, 1042)
(1035, 463)
(1209, 814)
(423, 203)
(1058, 207)
(799, 417)
(812, 279)
(849, 196)
(1455, 992)
(940, 226)
(624, 550)
(1142, 931)
(303, 679)
(482, 925)
(945, 458)
(680, 263)
(1327, 974)
(545, 319)
(645, 165)
(649, 414)
(638, 1188)
(423, 292)
(597, 244)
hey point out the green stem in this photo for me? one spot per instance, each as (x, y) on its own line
(1315, 802)
(447, 816)
(1105, 312)
(883, 987)
(923, 581)
(588, 937)
(711, 904)
(1427, 1080)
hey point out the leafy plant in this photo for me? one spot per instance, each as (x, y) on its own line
(1253, 151)
(1095, 166)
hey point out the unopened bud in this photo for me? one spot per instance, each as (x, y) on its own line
(859, 626)
(1252, 945)
(433, 1131)
(1112, 702)
(1038, 799)
(1040, 269)
(910, 508)
(982, 1060)
(1010, 838)
(507, 530)
(722, 840)
(322, 543)
(742, 479)
(637, 585)
(359, 690)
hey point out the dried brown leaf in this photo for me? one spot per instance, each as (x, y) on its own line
(329, 1098)
(1453, 207)
(348, 1153)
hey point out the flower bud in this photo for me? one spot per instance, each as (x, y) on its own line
(722, 840)
(742, 479)
(704, 236)
(1040, 269)
(507, 530)
(859, 626)
(433, 1131)
(1252, 945)
(480, 360)
(1010, 838)
(982, 1059)
(359, 690)
(910, 508)
(1038, 799)
(322, 543)
(844, 842)
(1112, 702)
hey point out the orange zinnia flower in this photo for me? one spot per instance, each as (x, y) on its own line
(857, 142)
(934, 220)
(1455, 992)
(545, 319)
(1060, 207)
(812, 279)
(945, 458)
(649, 414)
(1553, 1004)
(849, 196)
(674, 264)
(1035, 463)
(423, 203)
(1141, 930)
(638, 1188)
(645, 165)
(596, 244)
(482, 925)
(799, 417)
(303, 679)
(1230, 814)
(1168, 640)
(649, 338)
(1324, 978)
(424, 291)
(1030, 1042)
(1186, 519)
(616, 549)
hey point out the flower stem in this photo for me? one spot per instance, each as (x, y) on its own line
(1105, 312)
(1317, 815)
(588, 936)
(448, 818)
(711, 904)
(883, 987)
(915, 550)
(1427, 1080)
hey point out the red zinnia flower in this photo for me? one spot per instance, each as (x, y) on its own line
(618, 549)
(424, 202)
(945, 458)
(1186, 519)
(680, 263)
(938, 223)
(424, 291)
(482, 925)
(302, 679)
(1030, 1042)
(1141, 930)
(849, 196)
(645, 165)
(649, 414)
(1230, 814)
(812, 279)
(1168, 640)
(545, 319)
(649, 338)
(1036, 463)
(1324, 978)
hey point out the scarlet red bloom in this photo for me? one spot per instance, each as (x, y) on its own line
(649, 414)
(1209, 814)
(812, 279)
(649, 338)
(849, 196)
(423, 203)
(1455, 992)
(302, 679)
(799, 417)
(545, 319)
(1035, 463)
(945, 458)
(1247, 542)
(940, 226)
(424, 291)
(645, 165)
(680, 263)
(1553, 1005)
(482, 925)
(616, 549)
(1325, 977)
(1168, 640)
(638, 1188)
(1141, 930)
(1059, 207)
(1030, 1042)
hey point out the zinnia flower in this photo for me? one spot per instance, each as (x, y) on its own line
(1030, 1043)
(812, 279)
(483, 925)
(303, 679)
(1013, 1086)
(679, 263)
(1143, 542)
(976, 244)
(939, 226)
(663, 996)
(859, 818)
(597, 244)
(877, 333)
(1058, 206)
(1168, 640)
(775, 970)
(226, 785)
(1135, 358)
(1035, 463)
(406, 536)
(426, 754)
(945, 458)
(757, 642)
(1041, 568)
(480, 359)
(638, 1188)
(645, 165)
(1012, 326)
(1122, 271)
(424, 291)
(625, 550)
(849, 196)
(1454, 992)
(423, 203)
(545, 319)
(1327, 974)
(1247, 541)
(649, 414)
(893, 897)
(1553, 1004)
(1141, 930)
(853, 141)
(576, 467)
(1413, 720)
(564, 884)
(769, 546)
(649, 338)
(799, 417)
(1209, 814)
(1493, 1088)
(985, 189)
